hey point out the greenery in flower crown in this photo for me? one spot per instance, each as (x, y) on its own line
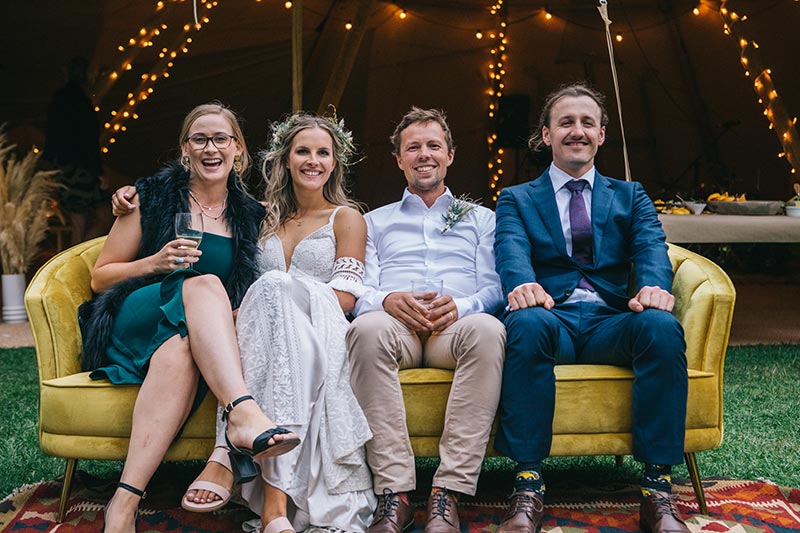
(458, 209)
(344, 137)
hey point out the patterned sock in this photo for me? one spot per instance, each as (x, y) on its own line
(529, 477)
(657, 478)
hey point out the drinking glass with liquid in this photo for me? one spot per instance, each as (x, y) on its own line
(189, 226)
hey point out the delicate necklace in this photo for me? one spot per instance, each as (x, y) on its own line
(204, 208)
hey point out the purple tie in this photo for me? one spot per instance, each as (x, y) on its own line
(580, 227)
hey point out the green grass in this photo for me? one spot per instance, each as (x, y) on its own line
(762, 434)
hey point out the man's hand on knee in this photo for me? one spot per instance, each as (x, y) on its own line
(529, 295)
(405, 308)
(652, 298)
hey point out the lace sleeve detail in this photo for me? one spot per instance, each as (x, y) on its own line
(348, 276)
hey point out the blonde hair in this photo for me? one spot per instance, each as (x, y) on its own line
(217, 108)
(279, 192)
(418, 115)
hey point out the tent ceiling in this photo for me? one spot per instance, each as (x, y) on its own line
(432, 58)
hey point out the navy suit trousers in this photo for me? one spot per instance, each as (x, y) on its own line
(650, 342)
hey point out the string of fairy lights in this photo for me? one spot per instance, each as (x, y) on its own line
(779, 119)
(145, 38)
(497, 71)
(155, 29)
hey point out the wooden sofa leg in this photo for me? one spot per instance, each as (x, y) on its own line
(697, 485)
(69, 470)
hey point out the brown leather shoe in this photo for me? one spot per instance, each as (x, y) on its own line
(393, 515)
(657, 514)
(524, 513)
(442, 512)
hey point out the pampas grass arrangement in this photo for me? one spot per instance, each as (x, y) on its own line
(26, 194)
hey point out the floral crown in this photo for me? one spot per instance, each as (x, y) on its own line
(344, 137)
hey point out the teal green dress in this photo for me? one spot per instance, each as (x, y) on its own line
(154, 313)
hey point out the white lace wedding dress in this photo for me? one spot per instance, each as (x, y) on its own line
(291, 334)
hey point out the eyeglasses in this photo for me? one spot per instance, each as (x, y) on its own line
(198, 141)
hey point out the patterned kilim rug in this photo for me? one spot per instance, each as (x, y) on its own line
(736, 506)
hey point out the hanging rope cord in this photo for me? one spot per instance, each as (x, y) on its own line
(603, 9)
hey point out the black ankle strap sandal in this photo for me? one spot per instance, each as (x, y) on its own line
(130, 488)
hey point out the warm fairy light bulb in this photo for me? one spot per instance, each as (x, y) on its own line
(287, 5)
(618, 37)
(348, 25)
(403, 14)
(547, 15)
(696, 11)
(479, 35)
(113, 75)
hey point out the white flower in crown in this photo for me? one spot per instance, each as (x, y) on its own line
(459, 208)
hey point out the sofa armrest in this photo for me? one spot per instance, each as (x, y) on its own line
(704, 300)
(52, 300)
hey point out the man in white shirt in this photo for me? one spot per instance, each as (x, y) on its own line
(408, 240)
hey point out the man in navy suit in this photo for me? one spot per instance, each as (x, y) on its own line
(569, 246)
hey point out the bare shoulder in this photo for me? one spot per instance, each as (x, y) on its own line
(349, 217)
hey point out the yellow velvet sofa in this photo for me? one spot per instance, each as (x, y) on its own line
(84, 419)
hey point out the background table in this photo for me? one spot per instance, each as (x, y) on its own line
(730, 228)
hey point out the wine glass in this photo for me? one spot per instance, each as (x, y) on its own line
(189, 226)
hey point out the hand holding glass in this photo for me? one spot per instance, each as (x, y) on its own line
(426, 290)
(189, 226)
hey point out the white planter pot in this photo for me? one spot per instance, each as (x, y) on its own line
(13, 298)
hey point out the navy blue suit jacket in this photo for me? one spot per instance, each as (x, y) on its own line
(628, 240)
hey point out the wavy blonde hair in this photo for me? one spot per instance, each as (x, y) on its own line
(279, 194)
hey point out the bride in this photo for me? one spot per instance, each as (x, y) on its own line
(291, 328)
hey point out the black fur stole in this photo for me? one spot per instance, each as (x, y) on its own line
(160, 197)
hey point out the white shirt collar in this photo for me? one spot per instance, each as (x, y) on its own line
(408, 197)
(559, 178)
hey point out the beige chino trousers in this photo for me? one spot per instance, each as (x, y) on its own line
(474, 346)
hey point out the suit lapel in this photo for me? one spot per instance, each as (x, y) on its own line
(544, 199)
(602, 198)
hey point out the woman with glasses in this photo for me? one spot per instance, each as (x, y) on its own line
(168, 327)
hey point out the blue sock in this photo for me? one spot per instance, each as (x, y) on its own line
(528, 476)
(657, 478)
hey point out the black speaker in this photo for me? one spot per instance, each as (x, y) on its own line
(512, 120)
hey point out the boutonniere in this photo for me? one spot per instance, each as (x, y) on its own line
(459, 208)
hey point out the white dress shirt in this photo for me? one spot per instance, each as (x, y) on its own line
(559, 178)
(405, 242)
